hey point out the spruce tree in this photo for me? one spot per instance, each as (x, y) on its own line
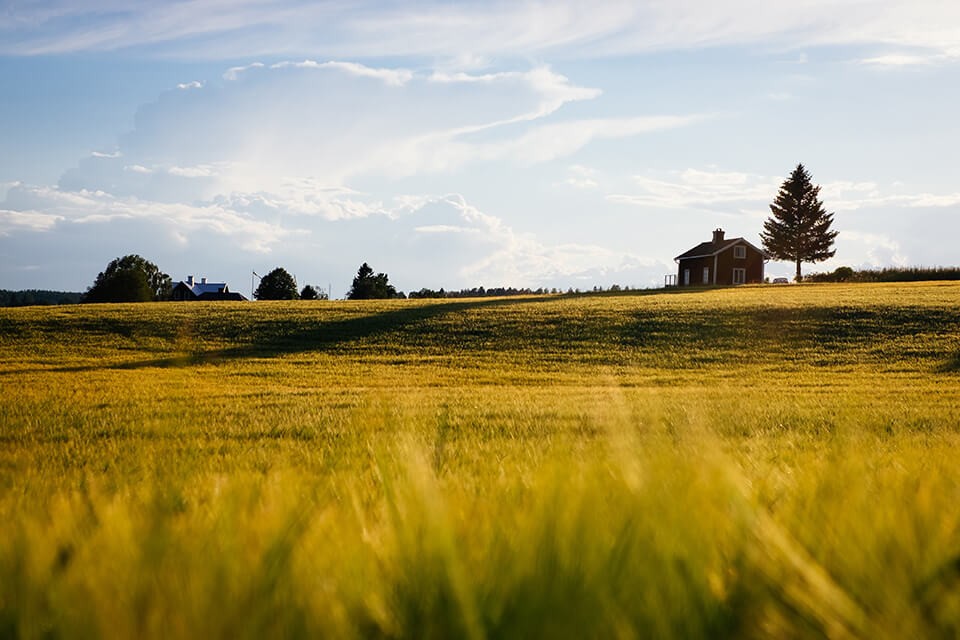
(367, 286)
(799, 230)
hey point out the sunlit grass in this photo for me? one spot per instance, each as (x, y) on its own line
(751, 462)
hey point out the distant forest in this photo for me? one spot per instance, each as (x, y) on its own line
(906, 274)
(32, 297)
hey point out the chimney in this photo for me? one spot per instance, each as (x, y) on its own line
(717, 236)
(204, 280)
(189, 281)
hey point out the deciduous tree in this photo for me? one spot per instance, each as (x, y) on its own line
(129, 279)
(277, 285)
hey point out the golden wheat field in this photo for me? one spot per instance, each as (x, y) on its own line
(752, 462)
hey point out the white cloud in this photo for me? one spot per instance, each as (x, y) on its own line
(519, 259)
(100, 154)
(185, 86)
(234, 73)
(850, 196)
(26, 220)
(443, 228)
(562, 139)
(698, 189)
(580, 177)
(304, 197)
(393, 77)
(45, 208)
(137, 168)
(730, 191)
(870, 250)
(200, 171)
(922, 58)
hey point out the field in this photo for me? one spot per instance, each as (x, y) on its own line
(750, 462)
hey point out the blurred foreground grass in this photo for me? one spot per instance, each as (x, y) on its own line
(751, 462)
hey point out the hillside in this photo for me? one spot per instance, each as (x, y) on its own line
(759, 461)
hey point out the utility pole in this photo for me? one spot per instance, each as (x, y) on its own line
(252, 276)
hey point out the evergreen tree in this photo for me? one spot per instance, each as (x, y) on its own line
(277, 285)
(799, 230)
(308, 293)
(129, 279)
(367, 286)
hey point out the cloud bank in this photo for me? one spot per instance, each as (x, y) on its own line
(261, 167)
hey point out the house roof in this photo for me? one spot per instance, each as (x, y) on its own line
(709, 249)
(200, 288)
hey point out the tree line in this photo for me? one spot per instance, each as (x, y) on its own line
(891, 274)
(31, 297)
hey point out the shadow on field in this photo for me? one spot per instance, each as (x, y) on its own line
(296, 335)
(952, 365)
(673, 337)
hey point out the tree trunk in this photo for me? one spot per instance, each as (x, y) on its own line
(799, 277)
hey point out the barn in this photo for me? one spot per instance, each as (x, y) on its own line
(721, 262)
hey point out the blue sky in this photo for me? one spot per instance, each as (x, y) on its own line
(458, 144)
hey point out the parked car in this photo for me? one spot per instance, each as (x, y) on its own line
(780, 281)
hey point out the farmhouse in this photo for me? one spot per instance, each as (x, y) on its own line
(721, 262)
(189, 289)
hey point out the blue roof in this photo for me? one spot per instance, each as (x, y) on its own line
(209, 287)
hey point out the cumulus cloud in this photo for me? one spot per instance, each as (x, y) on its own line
(46, 208)
(483, 249)
(26, 220)
(335, 126)
(465, 246)
(871, 250)
(185, 86)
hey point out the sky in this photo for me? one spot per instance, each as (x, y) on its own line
(460, 144)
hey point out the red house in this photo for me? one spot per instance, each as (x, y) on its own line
(721, 262)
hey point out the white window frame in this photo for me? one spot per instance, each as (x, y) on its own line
(742, 273)
(740, 252)
(706, 275)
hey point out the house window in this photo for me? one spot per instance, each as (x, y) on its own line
(740, 252)
(739, 276)
(706, 275)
